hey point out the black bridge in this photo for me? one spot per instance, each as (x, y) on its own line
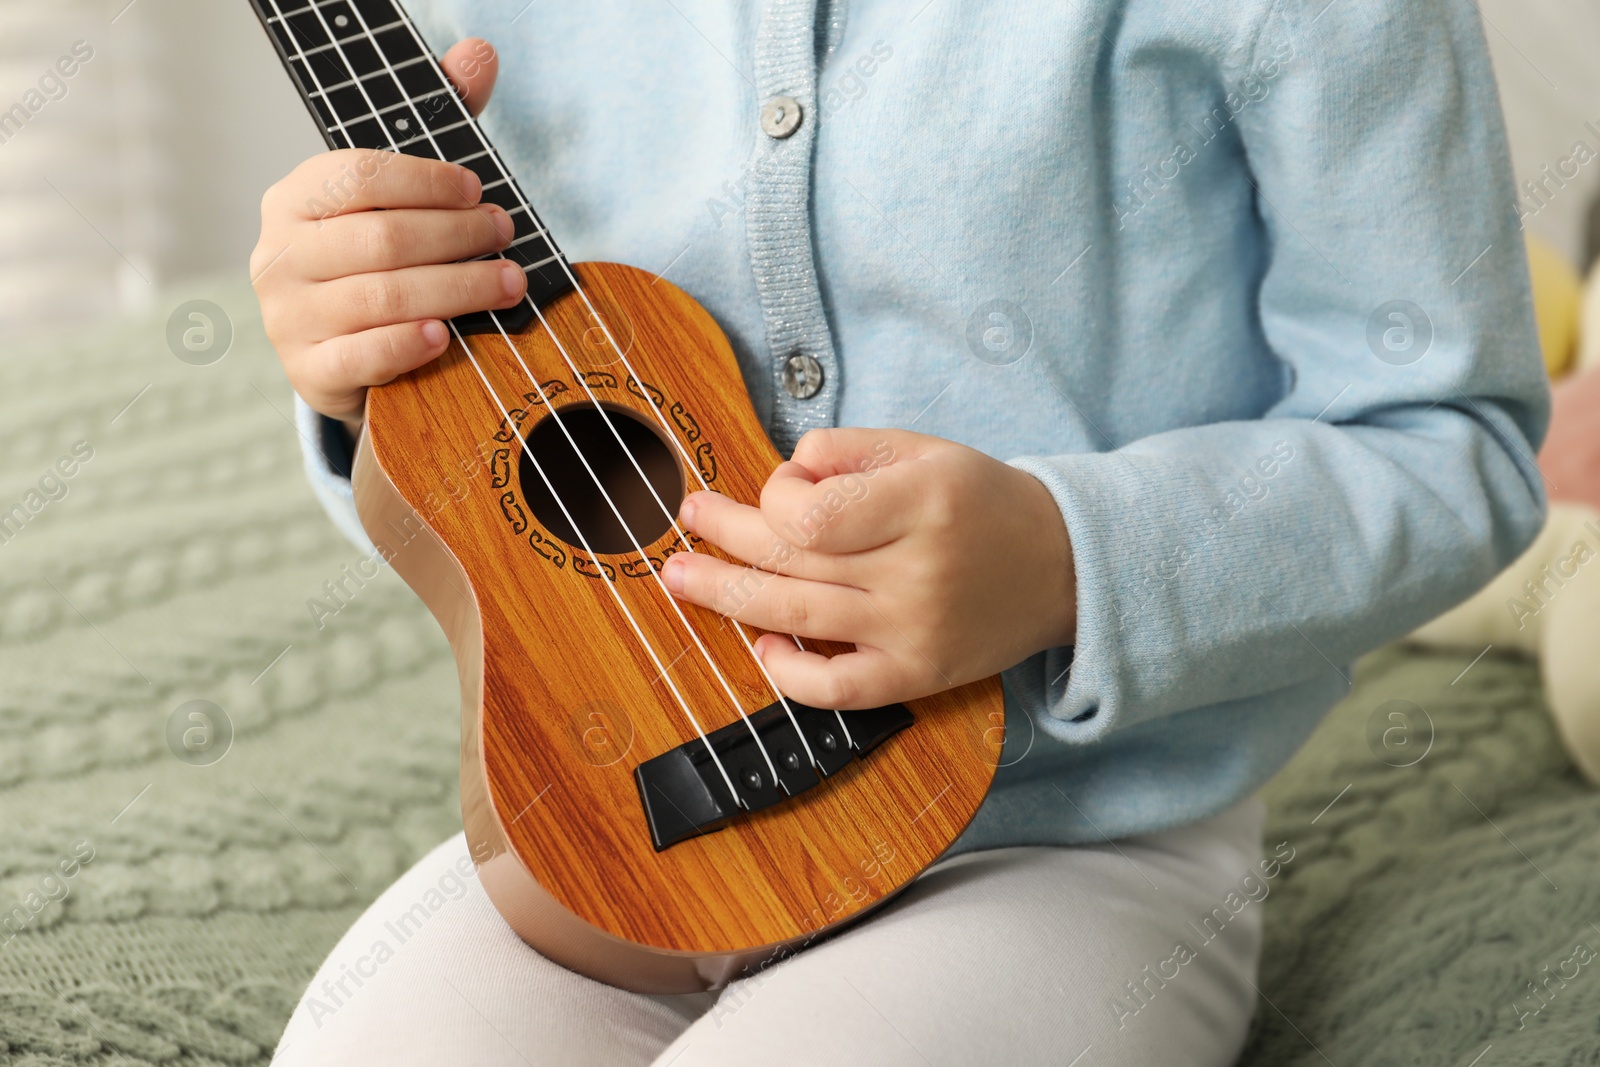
(684, 794)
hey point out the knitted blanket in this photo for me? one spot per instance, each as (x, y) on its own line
(173, 880)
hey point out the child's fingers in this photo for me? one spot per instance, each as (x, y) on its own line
(855, 449)
(363, 301)
(742, 532)
(342, 367)
(866, 678)
(390, 240)
(472, 66)
(770, 601)
(358, 179)
(844, 513)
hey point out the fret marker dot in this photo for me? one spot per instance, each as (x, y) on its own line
(402, 124)
(341, 21)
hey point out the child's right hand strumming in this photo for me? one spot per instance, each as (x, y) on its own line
(351, 295)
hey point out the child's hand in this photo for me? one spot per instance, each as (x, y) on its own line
(353, 296)
(940, 564)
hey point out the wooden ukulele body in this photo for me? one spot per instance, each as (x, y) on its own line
(560, 699)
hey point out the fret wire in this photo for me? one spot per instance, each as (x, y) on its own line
(394, 32)
(340, 127)
(418, 100)
(285, 21)
(306, 68)
(336, 125)
(352, 81)
(284, 15)
(331, 45)
(409, 102)
(537, 265)
(372, 125)
(443, 129)
(340, 35)
(323, 95)
(344, 128)
(384, 117)
(477, 131)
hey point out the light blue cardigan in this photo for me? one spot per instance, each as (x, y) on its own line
(1241, 283)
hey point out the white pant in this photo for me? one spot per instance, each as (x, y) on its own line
(1137, 952)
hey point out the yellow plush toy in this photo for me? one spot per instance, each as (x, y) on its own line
(1547, 603)
(1557, 301)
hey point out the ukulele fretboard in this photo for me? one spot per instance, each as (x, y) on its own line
(370, 81)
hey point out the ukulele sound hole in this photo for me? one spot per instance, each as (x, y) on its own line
(552, 453)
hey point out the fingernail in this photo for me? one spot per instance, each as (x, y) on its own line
(434, 333)
(512, 280)
(672, 575)
(502, 223)
(687, 511)
(471, 185)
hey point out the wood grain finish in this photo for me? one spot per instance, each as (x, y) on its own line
(561, 700)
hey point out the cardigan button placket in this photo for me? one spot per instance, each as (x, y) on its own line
(801, 358)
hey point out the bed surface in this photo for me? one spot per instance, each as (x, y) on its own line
(178, 566)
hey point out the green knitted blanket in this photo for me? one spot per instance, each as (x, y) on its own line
(168, 910)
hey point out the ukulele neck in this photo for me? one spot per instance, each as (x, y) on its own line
(369, 81)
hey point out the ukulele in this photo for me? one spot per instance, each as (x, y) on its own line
(643, 805)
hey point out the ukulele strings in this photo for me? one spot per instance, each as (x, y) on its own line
(577, 376)
(516, 429)
(594, 312)
(599, 408)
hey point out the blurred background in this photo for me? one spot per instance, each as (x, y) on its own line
(149, 169)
